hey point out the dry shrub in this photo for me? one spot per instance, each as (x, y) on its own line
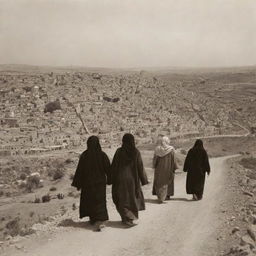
(1, 192)
(46, 198)
(58, 174)
(13, 227)
(57, 169)
(37, 200)
(23, 176)
(32, 183)
(60, 196)
(53, 189)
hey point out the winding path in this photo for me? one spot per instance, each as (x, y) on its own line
(179, 227)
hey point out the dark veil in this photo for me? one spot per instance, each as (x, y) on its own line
(93, 144)
(128, 147)
(90, 169)
(199, 144)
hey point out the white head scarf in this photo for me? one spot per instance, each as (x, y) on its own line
(163, 147)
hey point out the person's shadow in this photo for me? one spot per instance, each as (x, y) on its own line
(155, 201)
(116, 224)
(180, 199)
(76, 224)
(87, 225)
(152, 201)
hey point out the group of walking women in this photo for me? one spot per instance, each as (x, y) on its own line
(126, 174)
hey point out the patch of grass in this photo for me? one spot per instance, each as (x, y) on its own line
(248, 163)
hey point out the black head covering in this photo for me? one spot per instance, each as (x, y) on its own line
(199, 144)
(93, 144)
(128, 145)
(128, 140)
(90, 167)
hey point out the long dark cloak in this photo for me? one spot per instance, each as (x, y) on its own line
(196, 165)
(91, 176)
(128, 175)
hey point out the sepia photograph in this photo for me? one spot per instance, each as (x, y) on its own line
(127, 128)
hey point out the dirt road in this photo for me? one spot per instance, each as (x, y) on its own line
(179, 227)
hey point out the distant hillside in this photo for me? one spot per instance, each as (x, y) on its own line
(110, 102)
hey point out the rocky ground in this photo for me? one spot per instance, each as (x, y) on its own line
(210, 227)
(243, 178)
(236, 209)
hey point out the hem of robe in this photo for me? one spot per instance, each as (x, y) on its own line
(93, 203)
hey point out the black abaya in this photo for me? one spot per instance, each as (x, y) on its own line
(196, 165)
(128, 174)
(92, 175)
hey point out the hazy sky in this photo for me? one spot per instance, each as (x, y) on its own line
(128, 33)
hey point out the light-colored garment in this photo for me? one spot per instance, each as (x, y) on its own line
(163, 147)
(164, 175)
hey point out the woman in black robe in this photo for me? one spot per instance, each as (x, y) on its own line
(196, 165)
(128, 174)
(91, 176)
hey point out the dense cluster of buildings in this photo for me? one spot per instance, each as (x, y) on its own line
(107, 105)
